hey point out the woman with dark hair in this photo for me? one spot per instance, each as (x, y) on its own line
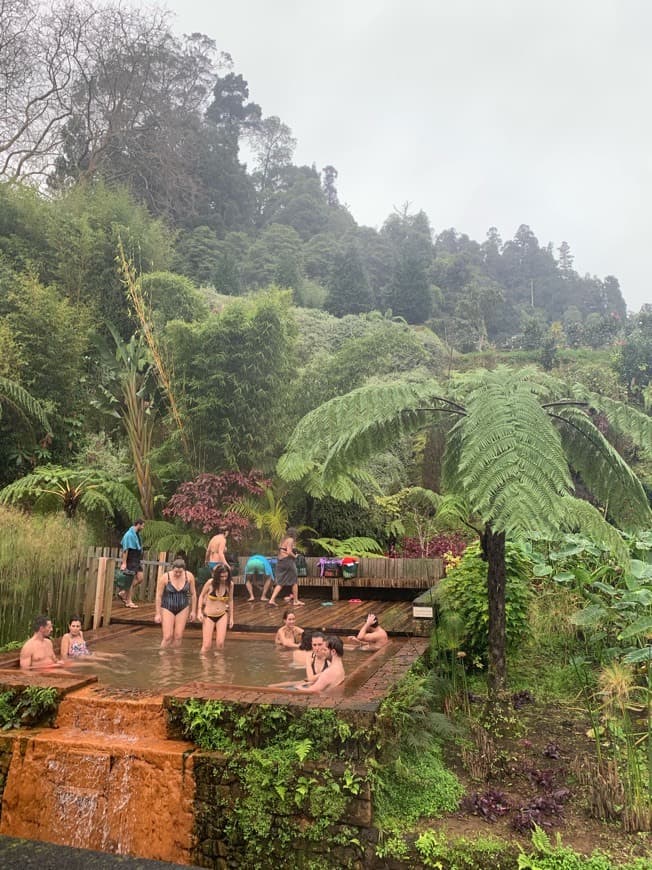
(216, 608)
(289, 634)
(176, 602)
(301, 656)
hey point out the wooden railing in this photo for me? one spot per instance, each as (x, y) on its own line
(97, 592)
(378, 573)
(95, 582)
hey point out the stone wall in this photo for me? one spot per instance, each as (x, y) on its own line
(295, 837)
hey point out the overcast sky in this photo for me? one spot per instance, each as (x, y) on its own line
(479, 112)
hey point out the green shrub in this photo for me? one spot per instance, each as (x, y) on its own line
(548, 857)
(437, 851)
(413, 786)
(462, 594)
(35, 705)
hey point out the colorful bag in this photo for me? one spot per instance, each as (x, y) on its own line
(330, 568)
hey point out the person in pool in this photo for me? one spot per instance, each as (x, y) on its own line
(216, 608)
(73, 644)
(38, 652)
(318, 660)
(301, 656)
(333, 675)
(176, 603)
(289, 634)
(371, 635)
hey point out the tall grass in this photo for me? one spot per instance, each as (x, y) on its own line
(40, 559)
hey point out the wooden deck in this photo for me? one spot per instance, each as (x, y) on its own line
(341, 617)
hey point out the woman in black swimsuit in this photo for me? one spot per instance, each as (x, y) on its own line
(216, 607)
(176, 602)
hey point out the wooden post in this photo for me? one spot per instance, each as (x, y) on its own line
(107, 604)
(91, 586)
(99, 591)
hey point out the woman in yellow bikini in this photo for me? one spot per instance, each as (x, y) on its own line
(216, 607)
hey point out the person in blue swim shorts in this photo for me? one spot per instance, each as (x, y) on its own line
(257, 568)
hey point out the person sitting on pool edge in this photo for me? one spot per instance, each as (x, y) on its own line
(333, 675)
(289, 634)
(258, 567)
(371, 635)
(216, 607)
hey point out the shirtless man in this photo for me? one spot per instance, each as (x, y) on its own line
(38, 652)
(216, 549)
(371, 635)
(331, 676)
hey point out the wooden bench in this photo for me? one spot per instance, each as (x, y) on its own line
(377, 573)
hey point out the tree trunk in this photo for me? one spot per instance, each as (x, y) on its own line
(493, 548)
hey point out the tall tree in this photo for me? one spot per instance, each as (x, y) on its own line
(229, 111)
(329, 177)
(512, 439)
(349, 291)
(273, 146)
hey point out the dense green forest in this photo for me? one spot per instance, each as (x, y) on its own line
(142, 260)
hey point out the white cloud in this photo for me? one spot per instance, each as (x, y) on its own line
(480, 113)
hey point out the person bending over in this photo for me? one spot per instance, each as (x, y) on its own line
(216, 607)
(258, 567)
(371, 635)
(38, 652)
(176, 603)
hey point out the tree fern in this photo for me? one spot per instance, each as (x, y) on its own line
(72, 489)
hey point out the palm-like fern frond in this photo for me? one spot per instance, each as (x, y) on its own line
(267, 512)
(344, 432)
(22, 401)
(169, 537)
(602, 468)
(581, 516)
(73, 489)
(357, 546)
(511, 466)
(625, 420)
